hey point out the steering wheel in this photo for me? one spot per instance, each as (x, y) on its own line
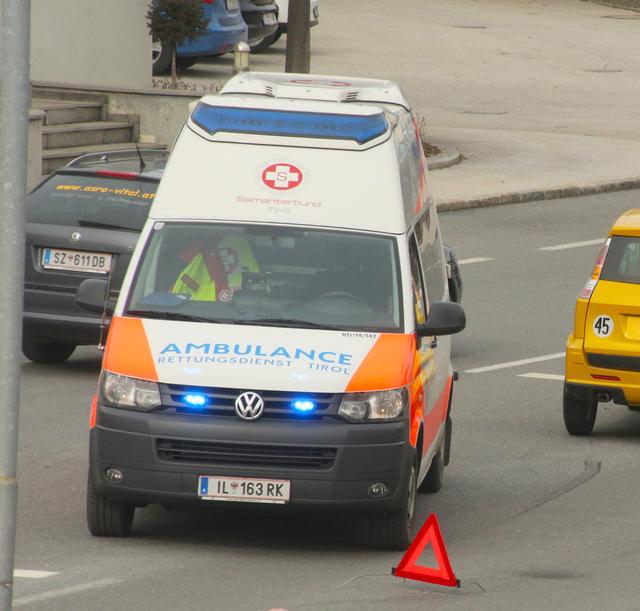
(343, 295)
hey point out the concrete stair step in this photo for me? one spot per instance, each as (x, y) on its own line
(52, 159)
(85, 134)
(68, 111)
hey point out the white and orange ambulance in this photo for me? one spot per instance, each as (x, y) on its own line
(282, 333)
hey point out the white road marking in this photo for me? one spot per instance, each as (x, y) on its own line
(535, 359)
(474, 260)
(33, 574)
(542, 376)
(573, 245)
(82, 587)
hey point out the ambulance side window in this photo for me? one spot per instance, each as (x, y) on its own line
(417, 286)
(431, 254)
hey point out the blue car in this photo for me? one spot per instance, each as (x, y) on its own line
(226, 28)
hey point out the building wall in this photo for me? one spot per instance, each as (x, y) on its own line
(91, 42)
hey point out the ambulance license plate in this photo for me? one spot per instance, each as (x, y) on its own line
(244, 489)
(76, 260)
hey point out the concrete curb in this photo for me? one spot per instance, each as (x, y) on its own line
(540, 195)
(448, 156)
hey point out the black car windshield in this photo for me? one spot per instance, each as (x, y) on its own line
(92, 201)
(282, 276)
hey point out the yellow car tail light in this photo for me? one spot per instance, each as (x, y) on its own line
(597, 268)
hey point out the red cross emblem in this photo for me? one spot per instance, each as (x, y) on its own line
(281, 176)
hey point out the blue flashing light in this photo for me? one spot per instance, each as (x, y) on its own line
(195, 400)
(361, 129)
(303, 405)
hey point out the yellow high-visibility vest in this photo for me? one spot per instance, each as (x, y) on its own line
(194, 280)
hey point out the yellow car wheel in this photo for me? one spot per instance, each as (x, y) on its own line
(579, 413)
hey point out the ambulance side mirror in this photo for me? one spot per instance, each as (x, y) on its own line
(92, 295)
(444, 318)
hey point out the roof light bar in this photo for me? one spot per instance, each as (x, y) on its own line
(361, 129)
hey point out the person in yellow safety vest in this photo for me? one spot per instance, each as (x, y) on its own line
(237, 256)
(196, 281)
(214, 274)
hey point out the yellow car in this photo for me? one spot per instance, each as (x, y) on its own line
(603, 352)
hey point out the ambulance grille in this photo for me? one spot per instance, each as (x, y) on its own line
(241, 454)
(277, 404)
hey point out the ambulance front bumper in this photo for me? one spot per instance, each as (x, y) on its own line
(161, 457)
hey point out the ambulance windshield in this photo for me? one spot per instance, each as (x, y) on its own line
(276, 276)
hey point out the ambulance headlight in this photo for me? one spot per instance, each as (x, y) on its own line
(374, 406)
(131, 393)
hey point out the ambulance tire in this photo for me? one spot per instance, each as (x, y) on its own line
(107, 517)
(392, 531)
(579, 413)
(434, 478)
(47, 353)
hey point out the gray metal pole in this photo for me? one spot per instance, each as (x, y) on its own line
(298, 57)
(15, 96)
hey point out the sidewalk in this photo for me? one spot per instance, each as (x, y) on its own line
(542, 97)
(510, 166)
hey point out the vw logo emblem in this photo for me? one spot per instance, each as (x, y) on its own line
(249, 405)
(75, 236)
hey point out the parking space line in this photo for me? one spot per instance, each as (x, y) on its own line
(573, 245)
(33, 574)
(474, 260)
(542, 376)
(48, 595)
(535, 359)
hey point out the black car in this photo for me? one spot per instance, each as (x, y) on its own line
(82, 222)
(261, 17)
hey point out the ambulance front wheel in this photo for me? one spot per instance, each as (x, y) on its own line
(107, 517)
(434, 478)
(393, 530)
(579, 412)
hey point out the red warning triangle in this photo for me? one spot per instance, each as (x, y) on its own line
(443, 575)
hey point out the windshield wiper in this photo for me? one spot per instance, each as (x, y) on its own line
(288, 322)
(101, 225)
(163, 315)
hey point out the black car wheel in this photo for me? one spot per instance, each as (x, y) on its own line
(393, 530)
(265, 43)
(186, 62)
(453, 274)
(47, 352)
(161, 58)
(579, 413)
(106, 517)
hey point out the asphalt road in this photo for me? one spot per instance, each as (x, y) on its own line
(532, 517)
